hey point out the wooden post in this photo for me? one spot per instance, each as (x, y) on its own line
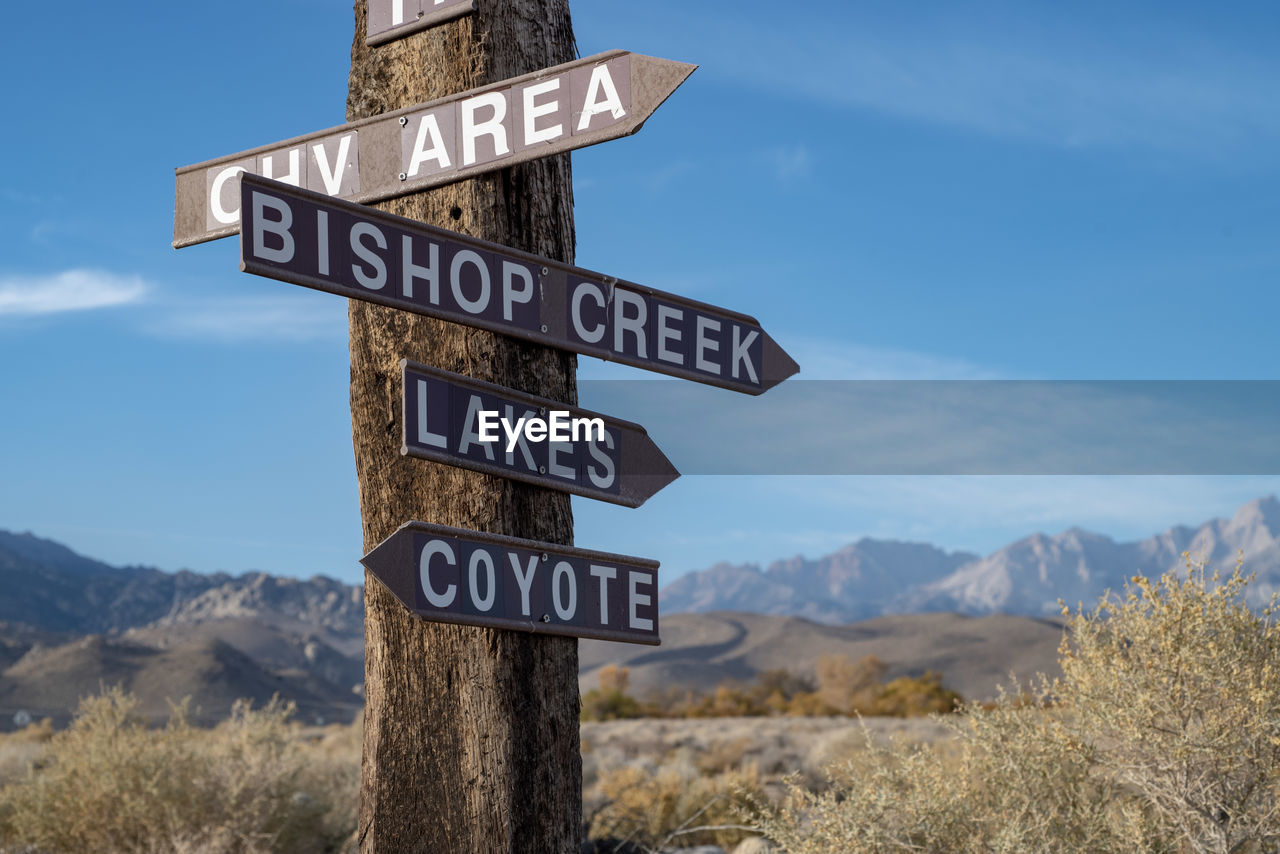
(470, 735)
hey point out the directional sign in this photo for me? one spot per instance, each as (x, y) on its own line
(450, 575)
(393, 19)
(459, 421)
(354, 251)
(559, 109)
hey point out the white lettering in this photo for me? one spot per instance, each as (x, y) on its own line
(278, 227)
(379, 279)
(514, 434)
(634, 579)
(489, 422)
(425, 436)
(666, 333)
(601, 84)
(429, 132)
(332, 175)
(635, 325)
(558, 445)
(558, 426)
(605, 480)
(221, 214)
(706, 344)
(605, 574)
(535, 429)
(480, 556)
(511, 296)
(564, 570)
(433, 548)
(559, 429)
(575, 312)
(413, 271)
(466, 256)
(469, 435)
(520, 443)
(588, 424)
(533, 111)
(740, 353)
(322, 242)
(293, 176)
(524, 579)
(492, 127)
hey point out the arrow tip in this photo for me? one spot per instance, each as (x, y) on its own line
(392, 563)
(646, 470)
(776, 364)
(653, 81)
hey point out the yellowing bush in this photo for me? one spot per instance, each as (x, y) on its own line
(1163, 735)
(111, 784)
(673, 807)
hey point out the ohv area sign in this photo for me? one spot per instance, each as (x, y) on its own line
(559, 109)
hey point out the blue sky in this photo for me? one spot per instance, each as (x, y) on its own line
(897, 191)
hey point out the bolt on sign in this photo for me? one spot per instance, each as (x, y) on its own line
(452, 419)
(358, 252)
(450, 575)
(559, 109)
(393, 19)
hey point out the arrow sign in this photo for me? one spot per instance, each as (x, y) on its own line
(393, 19)
(477, 425)
(548, 112)
(450, 575)
(308, 239)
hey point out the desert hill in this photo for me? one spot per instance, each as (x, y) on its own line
(69, 624)
(974, 654)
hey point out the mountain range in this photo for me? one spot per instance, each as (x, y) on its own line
(875, 577)
(70, 624)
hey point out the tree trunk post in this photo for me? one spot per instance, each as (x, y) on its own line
(470, 735)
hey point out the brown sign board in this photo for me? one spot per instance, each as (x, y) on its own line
(393, 19)
(308, 239)
(559, 109)
(451, 575)
(458, 421)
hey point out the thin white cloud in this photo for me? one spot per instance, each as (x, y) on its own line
(791, 162)
(268, 319)
(1058, 78)
(70, 290)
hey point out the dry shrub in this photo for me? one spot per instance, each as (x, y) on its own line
(36, 732)
(846, 685)
(673, 807)
(111, 784)
(1163, 734)
(611, 702)
(912, 697)
(723, 755)
(22, 749)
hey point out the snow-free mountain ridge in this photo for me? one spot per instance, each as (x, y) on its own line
(1028, 577)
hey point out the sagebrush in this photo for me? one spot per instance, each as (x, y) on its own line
(109, 783)
(1162, 735)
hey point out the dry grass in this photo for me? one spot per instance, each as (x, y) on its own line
(1163, 735)
(647, 779)
(111, 784)
(261, 783)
